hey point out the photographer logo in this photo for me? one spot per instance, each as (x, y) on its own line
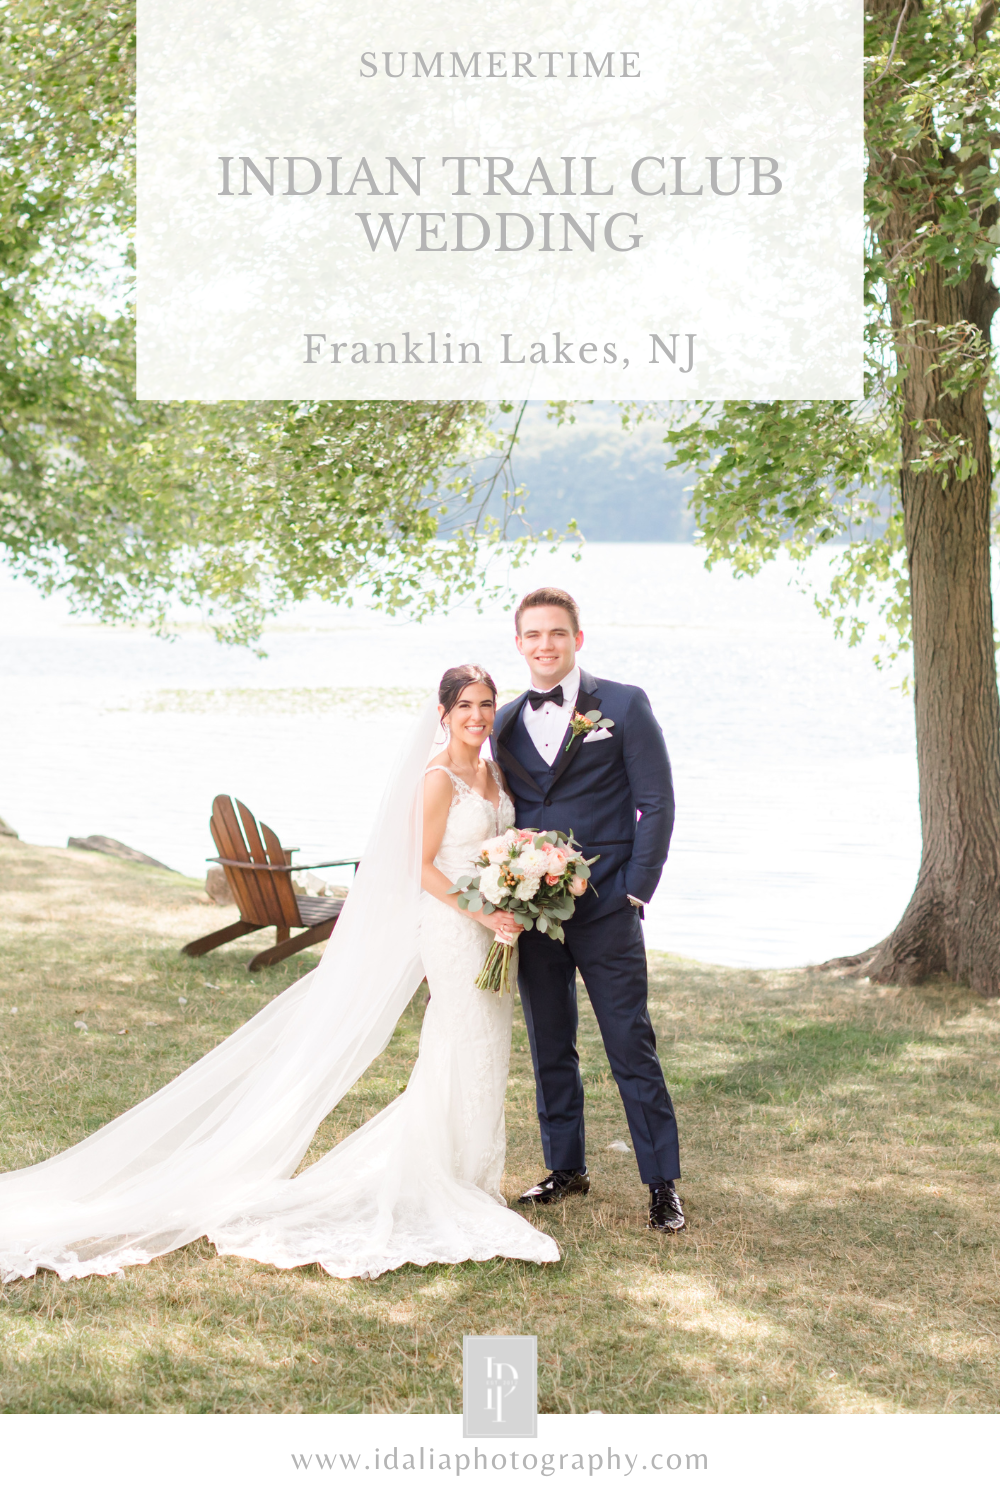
(500, 1386)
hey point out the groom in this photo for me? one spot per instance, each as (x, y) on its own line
(597, 784)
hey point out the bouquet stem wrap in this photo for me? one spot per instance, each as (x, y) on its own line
(495, 973)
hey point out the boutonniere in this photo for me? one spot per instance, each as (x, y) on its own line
(585, 723)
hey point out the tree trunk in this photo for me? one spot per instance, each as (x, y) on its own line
(952, 924)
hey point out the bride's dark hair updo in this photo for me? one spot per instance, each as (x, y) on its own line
(456, 678)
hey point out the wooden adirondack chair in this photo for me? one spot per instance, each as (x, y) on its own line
(259, 872)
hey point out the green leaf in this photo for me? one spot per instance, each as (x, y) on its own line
(240, 508)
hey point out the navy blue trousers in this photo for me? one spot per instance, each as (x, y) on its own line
(611, 957)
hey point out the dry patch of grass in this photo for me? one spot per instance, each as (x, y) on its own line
(841, 1157)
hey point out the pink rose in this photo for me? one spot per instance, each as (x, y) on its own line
(552, 880)
(577, 885)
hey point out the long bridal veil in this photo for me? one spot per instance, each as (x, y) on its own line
(217, 1138)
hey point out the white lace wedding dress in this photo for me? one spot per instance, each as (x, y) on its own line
(214, 1151)
(420, 1182)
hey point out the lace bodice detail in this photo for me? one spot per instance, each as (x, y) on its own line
(471, 820)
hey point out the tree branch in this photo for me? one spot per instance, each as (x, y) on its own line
(984, 20)
(892, 49)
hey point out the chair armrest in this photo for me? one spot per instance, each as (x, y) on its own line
(328, 864)
(246, 864)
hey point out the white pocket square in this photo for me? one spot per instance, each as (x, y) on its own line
(597, 734)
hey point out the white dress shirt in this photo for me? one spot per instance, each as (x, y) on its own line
(547, 725)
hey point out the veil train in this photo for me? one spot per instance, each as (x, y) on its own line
(216, 1141)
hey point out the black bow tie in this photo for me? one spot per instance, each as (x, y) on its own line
(554, 695)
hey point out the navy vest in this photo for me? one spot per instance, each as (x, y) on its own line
(522, 747)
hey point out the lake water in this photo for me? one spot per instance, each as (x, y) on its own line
(797, 832)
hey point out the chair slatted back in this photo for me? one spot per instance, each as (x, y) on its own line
(282, 881)
(264, 896)
(228, 838)
(267, 883)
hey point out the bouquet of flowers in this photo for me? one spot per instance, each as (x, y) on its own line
(537, 877)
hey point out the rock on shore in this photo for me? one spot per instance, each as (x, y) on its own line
(99, 843)
(217, 886)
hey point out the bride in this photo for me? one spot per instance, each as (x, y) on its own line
(213, 1153)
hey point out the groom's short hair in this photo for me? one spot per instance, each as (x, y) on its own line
(555, 598)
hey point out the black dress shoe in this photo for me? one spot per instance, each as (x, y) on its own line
(557, 1185)
(665, 1212)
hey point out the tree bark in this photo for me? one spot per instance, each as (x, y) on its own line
(952, 923)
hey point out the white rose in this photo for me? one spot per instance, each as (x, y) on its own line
(527, 888)
(489, 884)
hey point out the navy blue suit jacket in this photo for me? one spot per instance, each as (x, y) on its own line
(615, 795)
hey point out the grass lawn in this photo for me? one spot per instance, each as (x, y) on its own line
(841, 1149)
